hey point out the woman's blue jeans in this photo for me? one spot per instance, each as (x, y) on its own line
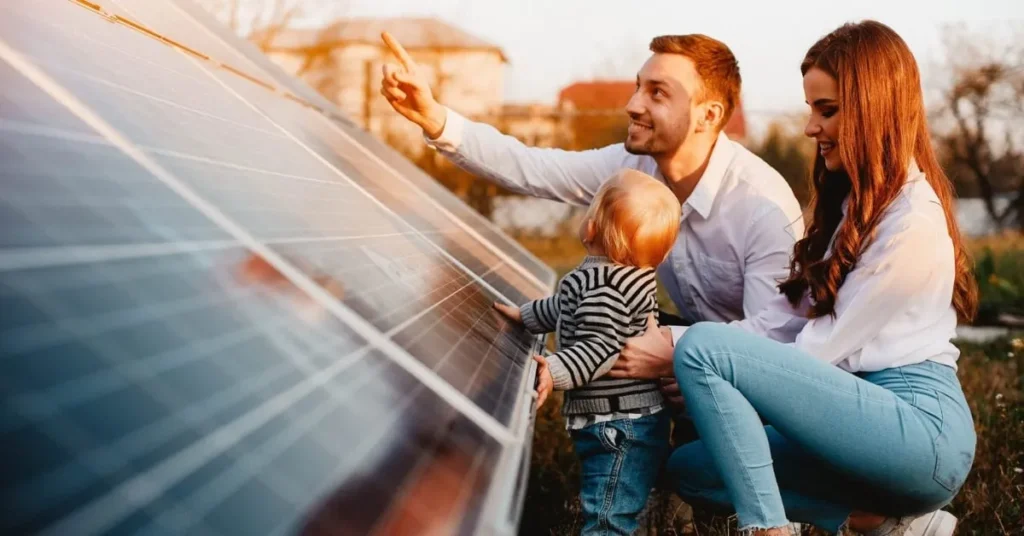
(895, 442)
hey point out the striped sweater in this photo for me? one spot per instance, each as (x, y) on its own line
(598, 306)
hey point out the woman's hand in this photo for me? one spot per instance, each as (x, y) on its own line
(510, 312)
(647, 357)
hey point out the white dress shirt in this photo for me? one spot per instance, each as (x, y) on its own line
(895, 306)
(736, 230)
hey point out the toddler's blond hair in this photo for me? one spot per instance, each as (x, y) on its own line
(636, 219)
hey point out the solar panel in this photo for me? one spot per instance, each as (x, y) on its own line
(246, 54)
(226, 310)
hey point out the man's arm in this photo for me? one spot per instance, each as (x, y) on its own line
(567, 176)
(768, 250)
(571, 177)
(648, 356)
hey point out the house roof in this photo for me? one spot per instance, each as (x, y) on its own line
(614, 94)
(412, 33)
(598, 94)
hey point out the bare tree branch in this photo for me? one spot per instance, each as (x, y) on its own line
(263, 20)
(985, 102)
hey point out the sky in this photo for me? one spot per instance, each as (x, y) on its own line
(552, 43)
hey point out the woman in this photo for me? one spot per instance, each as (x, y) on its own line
(852, 364)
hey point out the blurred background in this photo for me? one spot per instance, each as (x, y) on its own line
(559, 73)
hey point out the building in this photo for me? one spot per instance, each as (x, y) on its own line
(536, 125)
(343, 61)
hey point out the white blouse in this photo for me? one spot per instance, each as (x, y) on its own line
(895, 306)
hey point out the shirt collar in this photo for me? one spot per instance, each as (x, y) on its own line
(703, 196)
(594, 260)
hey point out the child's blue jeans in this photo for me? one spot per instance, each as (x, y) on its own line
(620, 461)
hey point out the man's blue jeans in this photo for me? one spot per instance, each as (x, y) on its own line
(620, 461)
(894, 442)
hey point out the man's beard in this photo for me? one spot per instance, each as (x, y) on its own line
(652, 146)
(643, 148)
(648, 146)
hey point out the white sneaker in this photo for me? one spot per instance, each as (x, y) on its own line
(937, 523)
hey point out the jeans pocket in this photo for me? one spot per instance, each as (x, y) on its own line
(614, 434)
(954, 445)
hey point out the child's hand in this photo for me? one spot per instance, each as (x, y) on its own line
(510, 312)
(545, 383)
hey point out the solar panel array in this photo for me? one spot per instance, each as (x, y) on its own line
(225, 309)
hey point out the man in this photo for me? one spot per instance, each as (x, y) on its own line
(739, 218)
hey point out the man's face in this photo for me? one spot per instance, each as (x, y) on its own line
(660, 111)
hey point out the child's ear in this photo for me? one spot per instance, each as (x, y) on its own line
(591, 230)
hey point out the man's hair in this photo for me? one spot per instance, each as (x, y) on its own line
(716, 66)
(636, 224)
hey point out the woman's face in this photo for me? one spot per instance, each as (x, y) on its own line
(822, 94)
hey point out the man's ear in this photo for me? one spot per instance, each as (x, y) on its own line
(712, 113)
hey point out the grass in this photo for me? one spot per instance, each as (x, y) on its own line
(992, 500)
(990, 503)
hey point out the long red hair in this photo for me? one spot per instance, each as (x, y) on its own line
(882, 126)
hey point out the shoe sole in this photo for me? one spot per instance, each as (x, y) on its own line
(942, 524)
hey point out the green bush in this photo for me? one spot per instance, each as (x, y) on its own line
(1000, 275)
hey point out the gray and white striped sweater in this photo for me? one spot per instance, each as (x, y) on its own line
(598, 306)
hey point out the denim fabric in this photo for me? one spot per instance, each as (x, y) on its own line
(894, 442)
(620, 461)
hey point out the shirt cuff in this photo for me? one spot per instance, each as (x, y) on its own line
(451, 134)
(530, 321)
(677, 333)
(560, 376)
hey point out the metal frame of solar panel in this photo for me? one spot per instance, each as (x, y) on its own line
(225, 309)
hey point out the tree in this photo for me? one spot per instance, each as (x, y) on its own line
(262, 20)
(979, 127)
(790, 153)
